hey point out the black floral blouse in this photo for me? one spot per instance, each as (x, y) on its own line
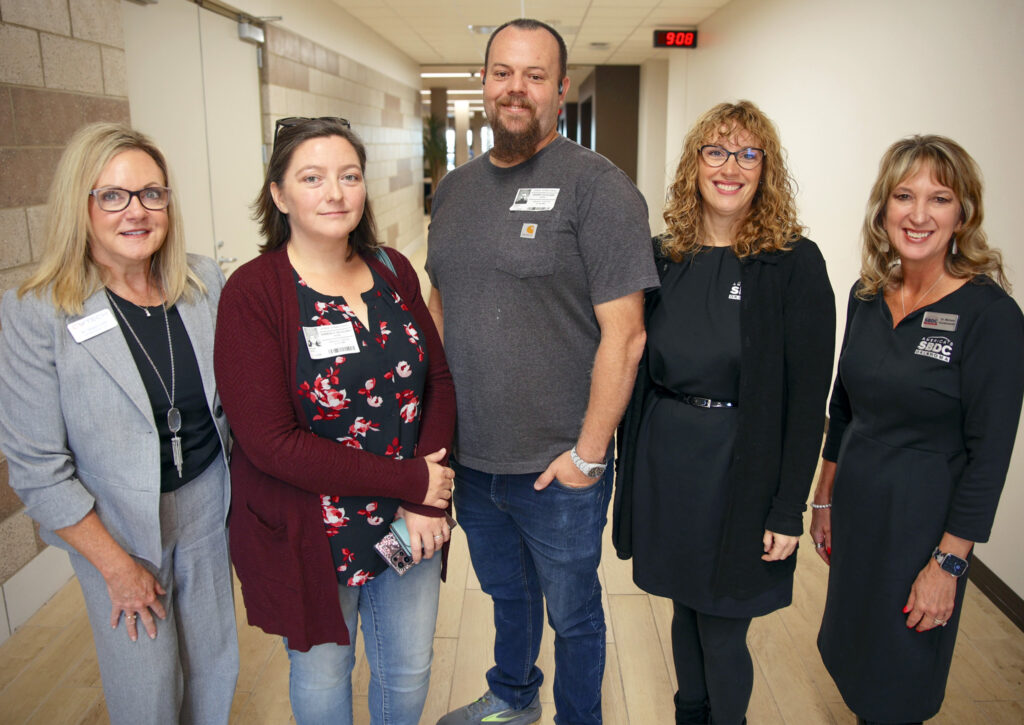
(364, 388)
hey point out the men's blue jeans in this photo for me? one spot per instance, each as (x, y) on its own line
(529, 546)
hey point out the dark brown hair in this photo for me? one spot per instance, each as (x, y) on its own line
(273, 222)
(528, 24)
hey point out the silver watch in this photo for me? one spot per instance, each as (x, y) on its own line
(590, 470)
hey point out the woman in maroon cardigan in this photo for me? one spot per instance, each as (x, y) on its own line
(342, 408)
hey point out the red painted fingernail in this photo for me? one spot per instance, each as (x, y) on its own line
(828, 550)
(906, 609)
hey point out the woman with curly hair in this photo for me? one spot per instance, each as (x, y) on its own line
(923, 418)
(723, 431)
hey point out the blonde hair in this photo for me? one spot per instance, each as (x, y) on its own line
(951, 166)
(66, 267)
(772, 223)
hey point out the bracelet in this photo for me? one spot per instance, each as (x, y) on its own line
(821, 505)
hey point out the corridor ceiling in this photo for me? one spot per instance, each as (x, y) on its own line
(597, 32)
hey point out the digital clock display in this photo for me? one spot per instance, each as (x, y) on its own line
(675, 38)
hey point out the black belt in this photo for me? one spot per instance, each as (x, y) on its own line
(696, 401)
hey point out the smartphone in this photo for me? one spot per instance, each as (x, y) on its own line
(392, 552)
(401, 532)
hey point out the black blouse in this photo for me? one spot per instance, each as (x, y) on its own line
(363, 388)
(200, 444)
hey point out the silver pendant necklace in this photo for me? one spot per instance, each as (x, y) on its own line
(173, 415)
(920, 299)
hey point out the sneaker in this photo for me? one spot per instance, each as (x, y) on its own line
(492, 709)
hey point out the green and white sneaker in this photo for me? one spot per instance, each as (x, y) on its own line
(492, 709)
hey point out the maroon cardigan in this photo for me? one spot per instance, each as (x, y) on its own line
(279, 468)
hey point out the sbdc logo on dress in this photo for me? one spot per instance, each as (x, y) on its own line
(938, 347)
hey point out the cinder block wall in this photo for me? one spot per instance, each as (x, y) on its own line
(302, 78)
(62, 65)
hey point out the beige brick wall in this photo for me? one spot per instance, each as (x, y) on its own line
(302, 78)
(61, 66)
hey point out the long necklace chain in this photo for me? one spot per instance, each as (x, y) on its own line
(173, 414)
(903, 303)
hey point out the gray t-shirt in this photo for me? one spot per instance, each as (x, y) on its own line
(521, 256)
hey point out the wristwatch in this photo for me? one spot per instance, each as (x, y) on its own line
(590, 470)
(950, 563)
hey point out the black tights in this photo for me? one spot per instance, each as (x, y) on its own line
(713, 667)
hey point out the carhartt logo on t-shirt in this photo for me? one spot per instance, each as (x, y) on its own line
(529, 231)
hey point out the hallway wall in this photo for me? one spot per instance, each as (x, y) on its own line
(844, 80)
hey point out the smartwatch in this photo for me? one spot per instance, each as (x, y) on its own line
(950, 563)
(590, 470)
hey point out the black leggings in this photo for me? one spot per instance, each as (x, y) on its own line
(713, 667)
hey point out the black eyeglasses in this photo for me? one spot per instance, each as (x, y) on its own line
(114, 198)
(293, 121)
(716, 156)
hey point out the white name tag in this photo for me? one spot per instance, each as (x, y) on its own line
(940, 321)
(325, 341)
(91, 326)
(535, 200)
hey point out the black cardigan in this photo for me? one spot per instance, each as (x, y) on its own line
(787, 327)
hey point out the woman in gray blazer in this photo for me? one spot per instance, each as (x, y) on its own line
(114, 436)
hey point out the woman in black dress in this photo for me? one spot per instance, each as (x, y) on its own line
(721, 436)
(923, 418)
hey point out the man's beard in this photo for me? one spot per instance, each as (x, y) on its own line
(511, 146)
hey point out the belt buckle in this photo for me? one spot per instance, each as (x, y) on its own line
(702, 402)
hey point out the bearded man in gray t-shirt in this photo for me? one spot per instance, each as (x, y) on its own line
(539, 254)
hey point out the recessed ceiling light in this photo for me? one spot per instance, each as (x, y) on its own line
(600, 46)
(447, 75)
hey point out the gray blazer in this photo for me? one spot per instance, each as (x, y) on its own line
(76, 423)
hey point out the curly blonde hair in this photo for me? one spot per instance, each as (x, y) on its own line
(772, 223)
(950, 166)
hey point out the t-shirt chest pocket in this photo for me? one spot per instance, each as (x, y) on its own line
(529, 243)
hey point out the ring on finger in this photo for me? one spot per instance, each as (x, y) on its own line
(819, 545)
(941, 622)
(438, 537)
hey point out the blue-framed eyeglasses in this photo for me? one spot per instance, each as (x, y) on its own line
(748, 158)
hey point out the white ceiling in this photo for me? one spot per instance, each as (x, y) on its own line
(435, 32)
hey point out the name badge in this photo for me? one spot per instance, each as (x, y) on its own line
(940, 321)
(91, 326)
(325, 341)
(535, 200)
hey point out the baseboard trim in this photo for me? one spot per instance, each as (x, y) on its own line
(989, 584)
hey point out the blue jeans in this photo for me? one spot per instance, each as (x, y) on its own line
(398, 618)
(529, 546)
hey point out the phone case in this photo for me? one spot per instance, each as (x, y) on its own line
(391, 551)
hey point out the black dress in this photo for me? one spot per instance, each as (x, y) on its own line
(684, 452)
(923, 420)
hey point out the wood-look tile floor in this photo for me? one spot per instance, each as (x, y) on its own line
(48, 670)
